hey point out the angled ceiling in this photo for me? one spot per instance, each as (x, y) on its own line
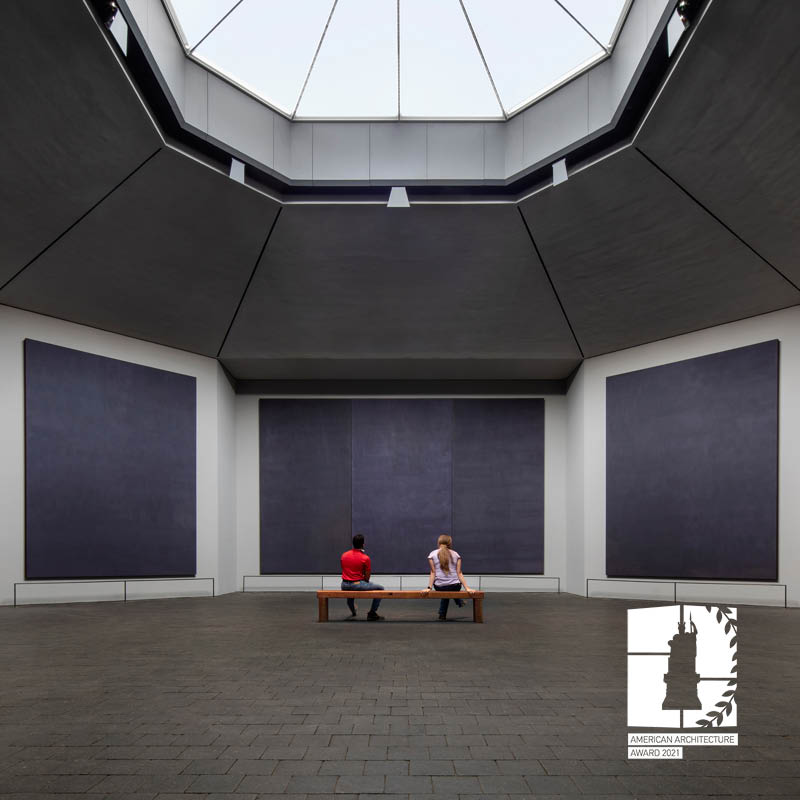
(727, 125)
(346, 283)
(70, 132)
(635, 259)
(166, 257)
(692, 225)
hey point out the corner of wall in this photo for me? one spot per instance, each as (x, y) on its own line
(226, 484)
(575, 528)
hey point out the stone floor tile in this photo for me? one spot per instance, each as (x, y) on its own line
(360, 784)
(565, 766)
(456, 785)
(503, 784)
(208, 766)
(264, 784)
(409, 784)
(519, 767)
(386, 767)
(599, 784)
(551, 784)
(214, 783)
(295, 767)
(312, 784)
(344, 767)
(439, 767)
(260, 766)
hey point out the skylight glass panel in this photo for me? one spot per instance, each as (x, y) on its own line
(198, 17)
(355, 74)
(530, 46)
(267, 47)
(441, 71)
(600, 17)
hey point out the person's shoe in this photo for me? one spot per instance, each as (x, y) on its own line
(354, 610)
(373, 617)
(459, 603)
(442, 618)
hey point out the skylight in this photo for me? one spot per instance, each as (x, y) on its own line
(398, 59)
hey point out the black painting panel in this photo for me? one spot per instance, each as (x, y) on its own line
(401, 479)
(498, 485)
(692, 468)
(305, 484)
(110, 466)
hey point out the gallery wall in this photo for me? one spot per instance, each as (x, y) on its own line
(228, 452)
(248, 491)
(215, 510)
(401, 472)
(587, 418)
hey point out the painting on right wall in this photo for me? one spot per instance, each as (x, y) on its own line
(692, 468)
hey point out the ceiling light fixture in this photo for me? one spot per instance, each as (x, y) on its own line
(398, 198)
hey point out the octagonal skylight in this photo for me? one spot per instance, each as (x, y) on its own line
(398, 59)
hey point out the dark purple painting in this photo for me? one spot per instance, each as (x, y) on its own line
(692, 468)
(110, 467)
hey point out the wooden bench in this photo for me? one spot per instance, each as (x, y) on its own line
(388, 594)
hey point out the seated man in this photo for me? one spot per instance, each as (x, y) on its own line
(356, 571)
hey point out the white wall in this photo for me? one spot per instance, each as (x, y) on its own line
(555, 521)
(575, 568)
(215, 507)
(247, 487)
(226, 484)
(586, 404)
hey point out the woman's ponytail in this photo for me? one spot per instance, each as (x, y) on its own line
(444, 542)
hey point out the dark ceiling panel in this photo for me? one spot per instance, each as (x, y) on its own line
(634, 259)
(343, 286)
(165, 258)
(72, 125)
(727, 125)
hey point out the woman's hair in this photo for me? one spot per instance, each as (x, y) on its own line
(444, 542)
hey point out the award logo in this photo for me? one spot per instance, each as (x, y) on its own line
(682, 679)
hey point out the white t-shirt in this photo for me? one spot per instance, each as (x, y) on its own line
(445, 578)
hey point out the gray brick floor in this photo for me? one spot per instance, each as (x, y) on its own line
(247, 696)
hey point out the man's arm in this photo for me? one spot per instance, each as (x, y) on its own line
(367, 567)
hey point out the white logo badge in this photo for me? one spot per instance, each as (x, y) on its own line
(682, 673)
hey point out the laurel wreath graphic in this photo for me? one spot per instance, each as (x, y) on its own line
(724, 706)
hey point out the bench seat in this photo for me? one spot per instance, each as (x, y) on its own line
(390, 594)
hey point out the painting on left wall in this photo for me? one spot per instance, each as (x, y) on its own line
(110, 467)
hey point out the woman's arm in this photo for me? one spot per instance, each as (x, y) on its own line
(461, 579)
(432, 576)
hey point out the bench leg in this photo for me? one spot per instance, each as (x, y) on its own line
(323, 608)
(477, 610)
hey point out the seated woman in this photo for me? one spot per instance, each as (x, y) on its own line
(446, 575)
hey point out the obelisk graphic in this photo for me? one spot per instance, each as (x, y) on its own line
(681, 677)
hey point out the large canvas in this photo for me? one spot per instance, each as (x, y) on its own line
(401, 472)
(692, 468)
(498, 484)
(110, 467)
(305, 484)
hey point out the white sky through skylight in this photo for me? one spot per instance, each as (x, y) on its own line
(390, 59)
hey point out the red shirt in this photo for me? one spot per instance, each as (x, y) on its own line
(355, 566)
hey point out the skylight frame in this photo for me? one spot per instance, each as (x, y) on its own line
(508, 114)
